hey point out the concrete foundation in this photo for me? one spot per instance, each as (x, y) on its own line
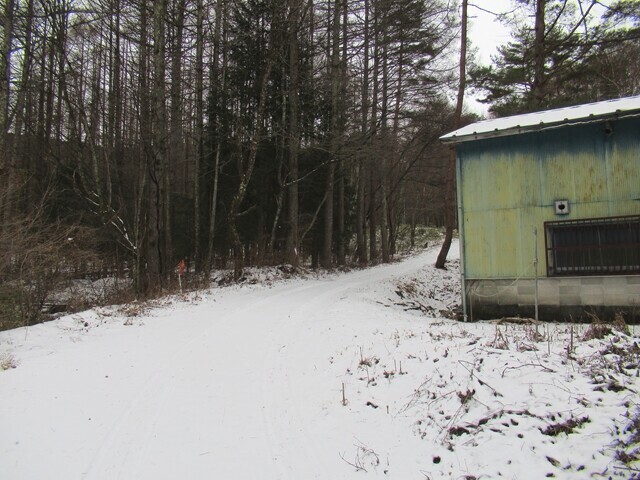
(559, 299)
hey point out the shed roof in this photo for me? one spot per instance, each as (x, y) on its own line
(559, 117)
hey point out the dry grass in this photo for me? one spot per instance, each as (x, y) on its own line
(7, 361)
(600, 329)
(565, 427)
(628, 449)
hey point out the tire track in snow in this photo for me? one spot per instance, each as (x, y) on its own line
(250, 389)
(299, 329)
(117, 443)
(124, 436)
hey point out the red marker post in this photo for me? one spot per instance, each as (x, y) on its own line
(181, 269)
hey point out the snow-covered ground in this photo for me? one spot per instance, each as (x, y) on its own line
(352, 375)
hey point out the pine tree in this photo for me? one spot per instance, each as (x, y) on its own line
(565, 58)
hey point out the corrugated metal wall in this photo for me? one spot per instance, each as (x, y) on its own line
(509, 185)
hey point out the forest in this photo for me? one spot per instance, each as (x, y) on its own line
(227, 133)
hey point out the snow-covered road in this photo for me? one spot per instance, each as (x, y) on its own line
(246, 382)
(234, 386)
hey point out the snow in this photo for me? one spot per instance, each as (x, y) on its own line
(546, 119)
(342, 376)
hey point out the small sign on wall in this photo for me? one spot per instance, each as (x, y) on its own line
(562, 207)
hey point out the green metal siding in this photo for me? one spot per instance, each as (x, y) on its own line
(508, 187)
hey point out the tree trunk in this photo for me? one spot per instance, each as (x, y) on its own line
(176, 150)
(155, 260)
(327, 250)
(293, 246)
(327, 245)
(383, 159)
(218, 84)
(142, 221)
(395, 161)
(23, 119)
(373, 170)
(361, 243)
(5, 75)
(199, 70)
(114, 127)
(539, 54)
(341, 248)
(62, 27)
(373, 219)
(449, 204)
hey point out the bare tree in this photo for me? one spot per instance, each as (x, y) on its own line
(157, 162)
(335, 76)
(295, 19)
(218, 83)
(199, 71)
(5, 75)
(450, 186)
(361, 243)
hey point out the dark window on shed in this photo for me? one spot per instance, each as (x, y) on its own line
(597, 246)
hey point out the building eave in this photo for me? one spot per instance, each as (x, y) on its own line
(608, 110)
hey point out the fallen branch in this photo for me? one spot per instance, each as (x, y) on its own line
(628, 469)
(546, 369)
(482, 382)
(358, 461)
(357, 465)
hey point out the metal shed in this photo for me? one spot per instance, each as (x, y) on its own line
(549, 212)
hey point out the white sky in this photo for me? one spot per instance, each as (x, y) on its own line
(486, 33)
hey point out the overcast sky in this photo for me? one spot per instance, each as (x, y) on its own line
(485, 32)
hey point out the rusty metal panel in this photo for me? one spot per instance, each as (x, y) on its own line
(491, 233)
(623, 161)
(509, 185)
(499, 198)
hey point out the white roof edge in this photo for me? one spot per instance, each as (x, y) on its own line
(535, 121)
